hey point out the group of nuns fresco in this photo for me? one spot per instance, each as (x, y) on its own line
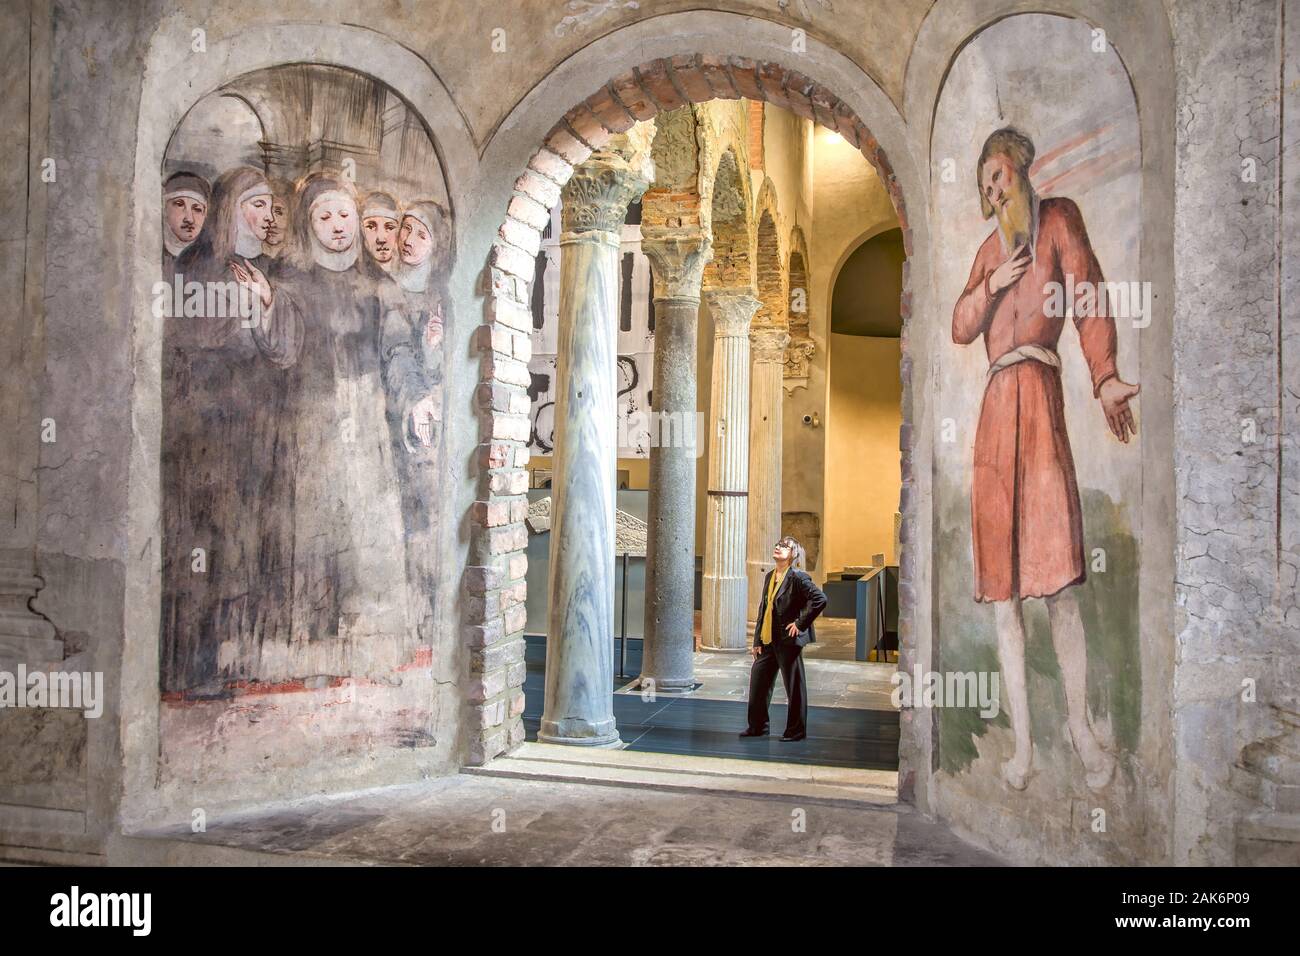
(302, 374)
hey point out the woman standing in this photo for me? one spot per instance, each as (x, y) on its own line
(790, 604)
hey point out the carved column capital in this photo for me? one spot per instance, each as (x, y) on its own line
(677, 258)
(596, 197)
(732, 310)
(767, 343)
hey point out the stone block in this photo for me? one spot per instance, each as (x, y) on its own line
(690, 80)
(610, 111)
(658, 83)
(529, 211)
(522, 235)
(483, 578)
(551, 165)
(715, 70)
(562, 142)
(744, 78)
(537, 187)
(634, 99)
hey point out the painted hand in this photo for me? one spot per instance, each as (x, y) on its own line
(1010, 271)
(1115, 395)
(251, 278)
(423, 415)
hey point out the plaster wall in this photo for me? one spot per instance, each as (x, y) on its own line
(862, 422)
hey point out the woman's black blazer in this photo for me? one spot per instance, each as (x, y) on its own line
(798, 600)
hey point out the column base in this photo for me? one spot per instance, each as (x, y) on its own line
(607, 742)
(670, 686)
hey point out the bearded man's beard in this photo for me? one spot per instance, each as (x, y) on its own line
(1015, 217)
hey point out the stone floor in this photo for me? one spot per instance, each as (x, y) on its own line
(478, 820)
(831, 683)
(707, 721)
(835, 679)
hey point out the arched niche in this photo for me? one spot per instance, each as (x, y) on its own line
(172, 87)
(1056, 80)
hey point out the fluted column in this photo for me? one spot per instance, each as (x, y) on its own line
(580, 632)
(677, 259)
(723, 602)
(767, 345)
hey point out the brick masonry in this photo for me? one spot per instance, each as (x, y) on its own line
(494, 584)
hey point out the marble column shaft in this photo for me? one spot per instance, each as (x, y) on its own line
(677, 259)
(723, 602)
(580, 631)
(767, 345)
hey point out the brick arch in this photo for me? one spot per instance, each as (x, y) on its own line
(494, 583)
(769, 272)
(732, 264)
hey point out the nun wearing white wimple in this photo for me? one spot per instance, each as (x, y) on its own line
(186, 198)
(222, 408)
(410, 343)
(347, 514)
(424, 253)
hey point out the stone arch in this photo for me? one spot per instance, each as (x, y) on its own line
(732, 265)
(498, 566)
(770, 278)
(769, 272)
(172, 85)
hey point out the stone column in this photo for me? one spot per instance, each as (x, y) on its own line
(766, 393)
(677, 259)
(723, 602)
(580, 631)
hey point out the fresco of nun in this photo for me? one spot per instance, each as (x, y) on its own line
(411, 345)
(223, 509)
(347, 517)
(380, 222)
(281, 197)
(185, 206)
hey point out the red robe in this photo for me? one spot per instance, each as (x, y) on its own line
(1026, 521)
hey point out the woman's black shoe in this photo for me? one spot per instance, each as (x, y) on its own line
(753, 733)
(787, 737)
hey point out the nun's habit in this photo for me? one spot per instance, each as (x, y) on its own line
(222, 405)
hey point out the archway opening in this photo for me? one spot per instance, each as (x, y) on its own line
(797, 106)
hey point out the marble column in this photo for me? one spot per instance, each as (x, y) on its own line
(677, 259)
(724, 627)
(767, 346)
(580, 632)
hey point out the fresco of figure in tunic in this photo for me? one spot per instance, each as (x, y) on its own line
(1026, 518)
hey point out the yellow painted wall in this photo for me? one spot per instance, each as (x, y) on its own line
(849, 204)
(638, 469)
(862, 471)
